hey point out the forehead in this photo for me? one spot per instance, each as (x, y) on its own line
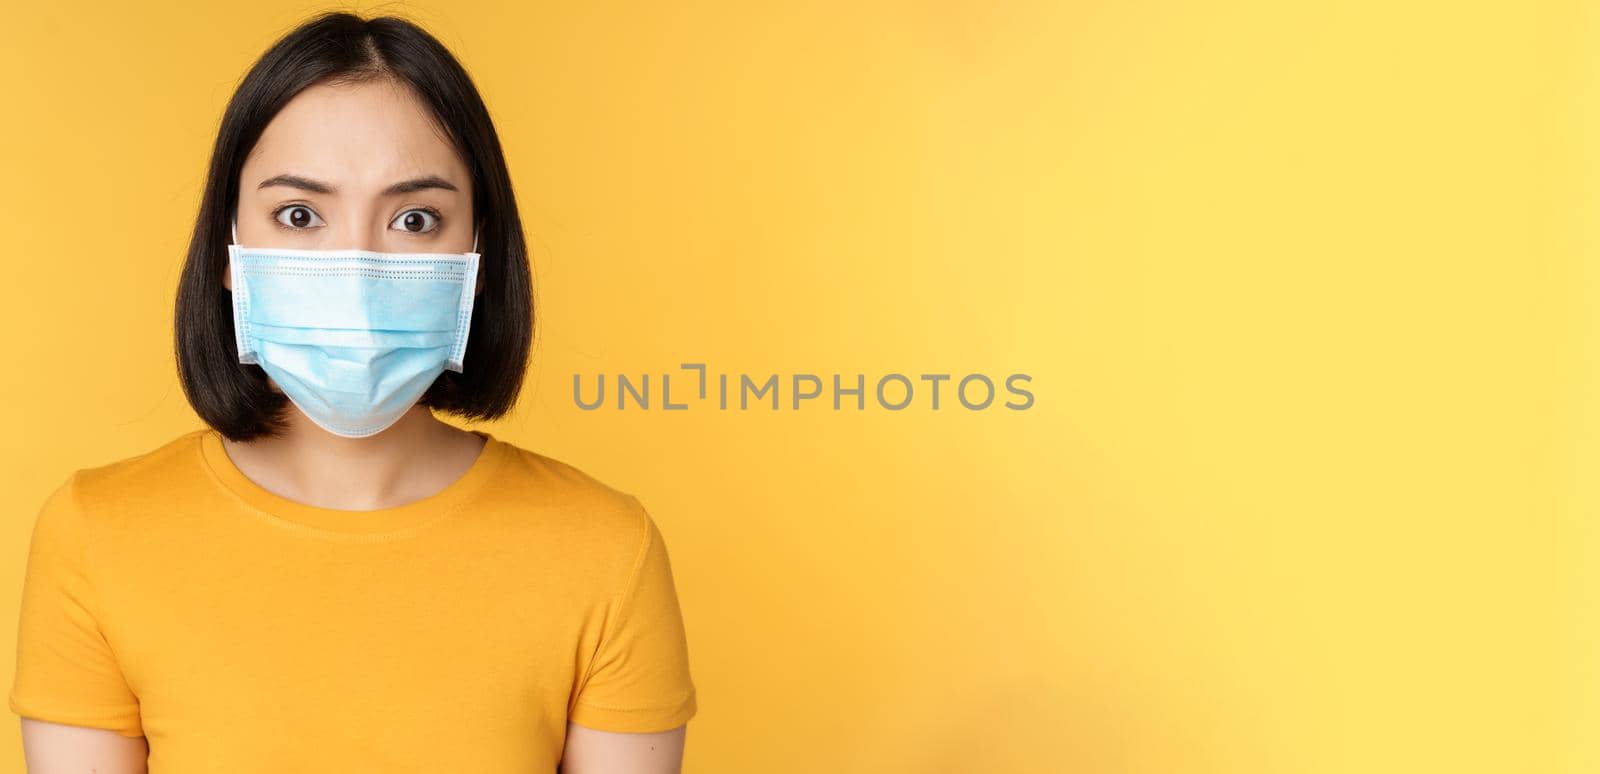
(360, 137)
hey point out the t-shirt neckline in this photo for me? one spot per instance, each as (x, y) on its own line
(379, 523)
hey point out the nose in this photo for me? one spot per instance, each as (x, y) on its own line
(358, 231)
(362, 239)
(361, 232)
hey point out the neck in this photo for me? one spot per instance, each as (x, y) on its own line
(415, 457)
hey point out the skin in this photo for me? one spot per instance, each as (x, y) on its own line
(356, 140)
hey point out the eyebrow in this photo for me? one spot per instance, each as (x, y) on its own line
(317, 186)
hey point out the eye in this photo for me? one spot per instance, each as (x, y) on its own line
(417, 221)
(300, 216)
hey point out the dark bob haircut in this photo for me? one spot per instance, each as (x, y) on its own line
(236, 399)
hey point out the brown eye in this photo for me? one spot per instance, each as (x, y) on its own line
(298, 216)
(417, 221)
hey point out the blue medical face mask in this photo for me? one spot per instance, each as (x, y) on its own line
(353, 337)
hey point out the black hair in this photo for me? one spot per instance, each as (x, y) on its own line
(236, 399)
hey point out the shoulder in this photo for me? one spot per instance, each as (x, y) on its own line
(159, 472)
(86, 496)
(591, 512)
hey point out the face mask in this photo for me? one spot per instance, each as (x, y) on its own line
(353, 337)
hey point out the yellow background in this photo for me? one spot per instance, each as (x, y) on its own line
(1303, 287)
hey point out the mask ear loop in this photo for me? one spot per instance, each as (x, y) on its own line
(235, 222)
(475, 240)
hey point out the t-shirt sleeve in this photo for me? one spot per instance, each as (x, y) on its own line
(66, 672)
(639, 680)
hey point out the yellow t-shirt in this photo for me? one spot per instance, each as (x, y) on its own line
(169, 595)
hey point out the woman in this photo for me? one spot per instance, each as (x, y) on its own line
(327, 578)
